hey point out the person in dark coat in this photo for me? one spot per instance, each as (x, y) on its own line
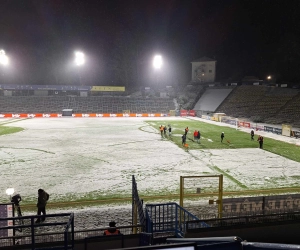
(170, 130)
(198, 136)
(252, 135)
(222, 136)
(43, 197)
(165, 131)
(112, 230)
(183, 137)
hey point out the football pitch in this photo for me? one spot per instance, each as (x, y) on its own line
(89, 159)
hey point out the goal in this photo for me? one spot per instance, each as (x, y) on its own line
(192, 187)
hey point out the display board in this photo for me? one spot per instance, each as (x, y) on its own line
(6, 211)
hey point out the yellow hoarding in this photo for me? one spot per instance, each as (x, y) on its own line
(108, 88)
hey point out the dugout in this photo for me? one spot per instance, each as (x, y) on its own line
(286, 129)
(218, 116)
(67, 112)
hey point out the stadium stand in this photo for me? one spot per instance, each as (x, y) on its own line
(212, 98)
(273, 100)
(92, 104)
(290, 112)
(242, 100)
(268, 104)
(189, 95)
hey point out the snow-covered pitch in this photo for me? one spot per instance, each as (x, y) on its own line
(74, 158)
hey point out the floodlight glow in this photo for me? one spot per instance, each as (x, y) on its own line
(269, 77)
(10, 191)
(79, 58)
(3, 58)
(157, 62)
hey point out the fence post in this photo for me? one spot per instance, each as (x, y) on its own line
(32, 232)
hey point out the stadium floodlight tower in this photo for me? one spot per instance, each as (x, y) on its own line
(3, 58)
(157, 61)
(4, 62)
(157, 64)
(79, 61)
(79, 58)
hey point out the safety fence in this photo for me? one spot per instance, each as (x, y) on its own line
(50, 235)
(243, 220)
(232, 243)
(26, 231)
(261, 204)
(286, 130)
(137, 206)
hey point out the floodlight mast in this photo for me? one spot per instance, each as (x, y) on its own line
(4, 61)
(79, 58)
(3, 58)
(79, 61)
(157, 62)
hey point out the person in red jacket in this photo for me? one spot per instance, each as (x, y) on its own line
(186, 130)
(195, 135)
(112, 230)
(161, 129)
(261, 141)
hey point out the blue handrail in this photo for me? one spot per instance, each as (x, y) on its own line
(168, 217)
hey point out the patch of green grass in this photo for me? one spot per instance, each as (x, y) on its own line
(230, 177)
(4, 130)
(211, 138)
(296, 177)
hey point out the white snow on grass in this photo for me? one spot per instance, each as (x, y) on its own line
(90, 157)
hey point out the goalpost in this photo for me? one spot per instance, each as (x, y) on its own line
(188, 189)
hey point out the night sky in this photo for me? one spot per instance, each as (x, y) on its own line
(120, 38)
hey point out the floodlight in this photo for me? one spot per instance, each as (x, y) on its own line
(157, 62)
(3, 58)
(269, 77)
(79, 58)
(10, 191)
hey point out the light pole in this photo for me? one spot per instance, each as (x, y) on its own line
(157, 64)
(79, 61)
(3, 58)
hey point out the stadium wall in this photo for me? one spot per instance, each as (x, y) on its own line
(281, 232)
(254, 126)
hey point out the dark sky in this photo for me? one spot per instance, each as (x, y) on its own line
(120, 38)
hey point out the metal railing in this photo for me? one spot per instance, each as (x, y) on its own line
(24, 238)
(168, 217)
(32, 233)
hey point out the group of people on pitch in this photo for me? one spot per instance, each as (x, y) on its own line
(163, 130)
(197, 136)
(260, 138)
